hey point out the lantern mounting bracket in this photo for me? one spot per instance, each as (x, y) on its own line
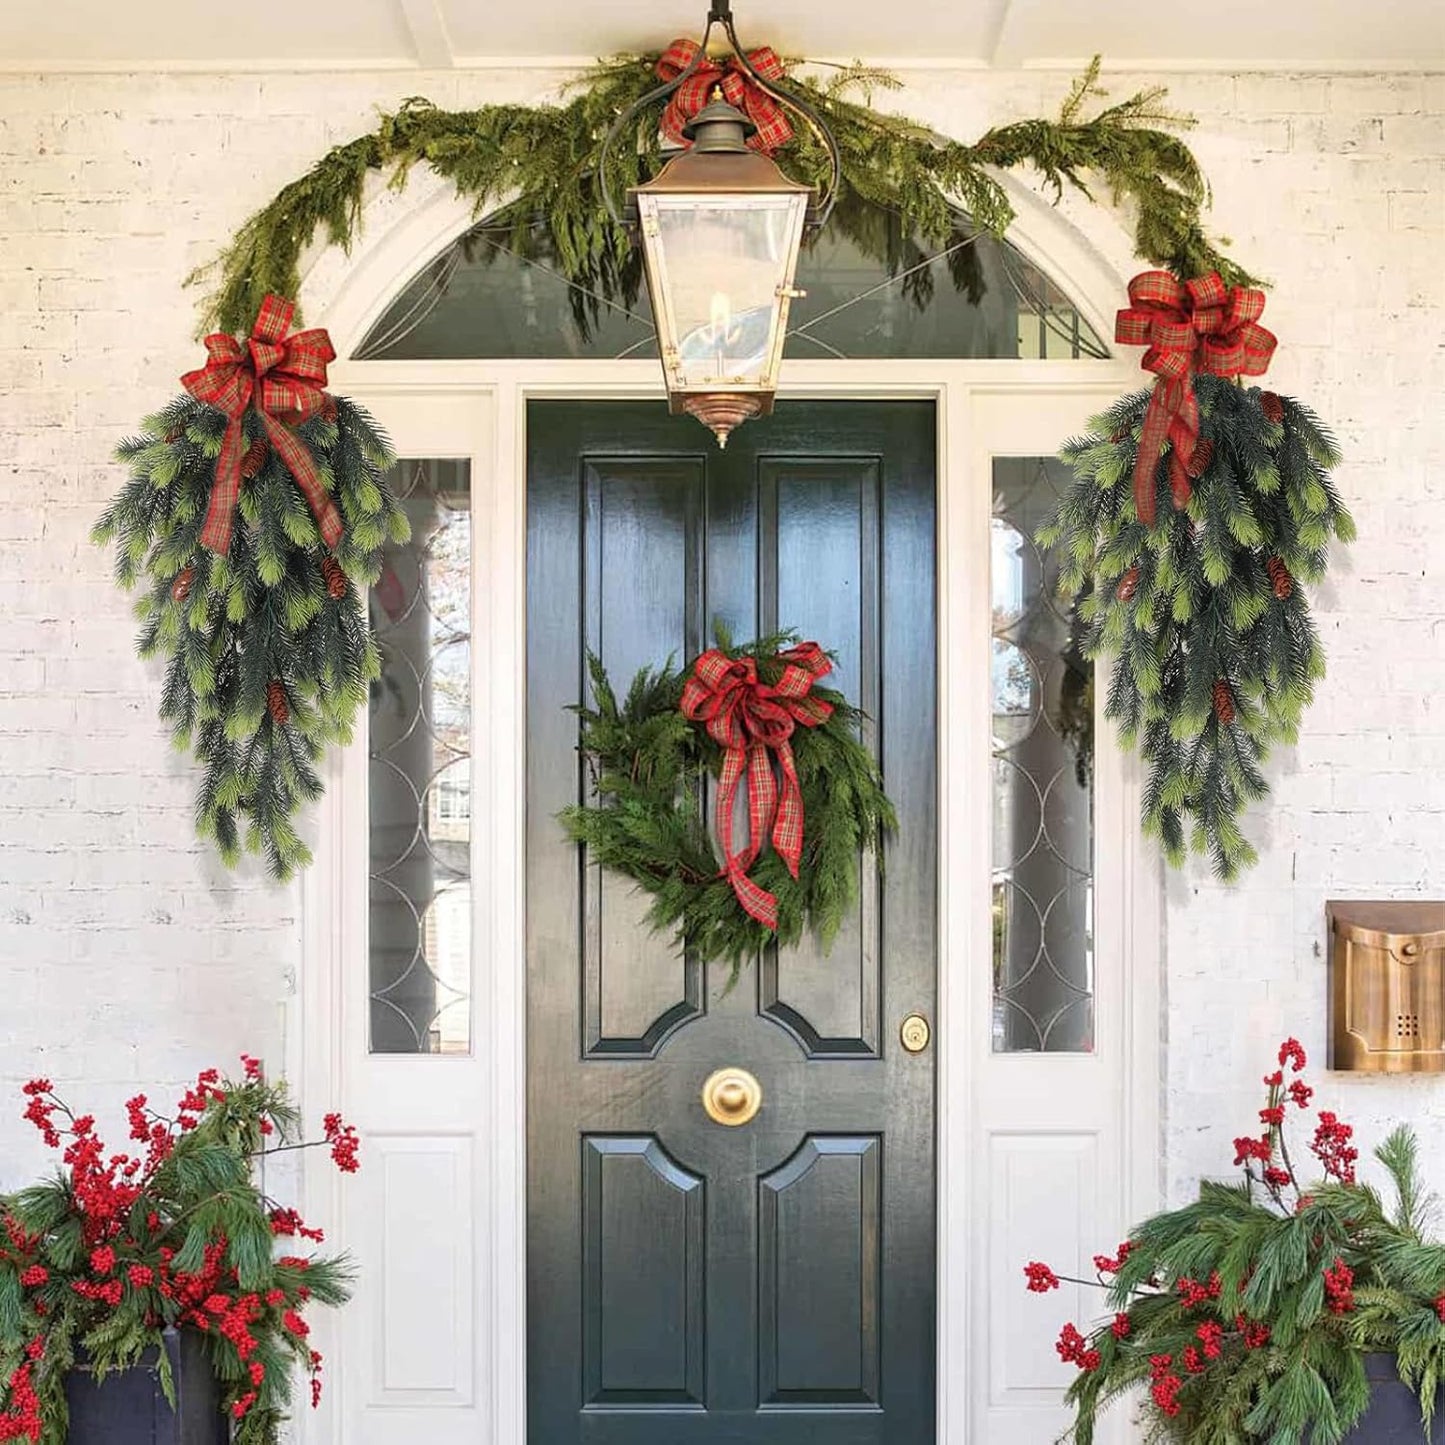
(721, 14)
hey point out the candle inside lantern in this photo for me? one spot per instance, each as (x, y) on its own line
(722, 320)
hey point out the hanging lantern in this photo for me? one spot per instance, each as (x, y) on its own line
(720, 228)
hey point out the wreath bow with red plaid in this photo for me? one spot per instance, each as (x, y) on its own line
(1190, 326)
(738, 89)
(751, 721)
(285, 378)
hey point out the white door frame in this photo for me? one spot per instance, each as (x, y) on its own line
(433, 409)
(477, 410)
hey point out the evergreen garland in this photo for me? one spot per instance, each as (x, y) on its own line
(1205, 613)
(541, 163)
(268, 650)
(647, 820)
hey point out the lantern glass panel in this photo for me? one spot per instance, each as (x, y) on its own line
(719, 268)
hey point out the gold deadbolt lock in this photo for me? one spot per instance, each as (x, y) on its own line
(915, 1033)
(731, 1096)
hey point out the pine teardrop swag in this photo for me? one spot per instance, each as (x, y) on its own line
(753, 717)
(268, 651)
(1215, 654)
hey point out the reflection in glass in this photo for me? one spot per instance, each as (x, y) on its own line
(420, 790)
(1043, 799)
(872, 290)
(719, 267)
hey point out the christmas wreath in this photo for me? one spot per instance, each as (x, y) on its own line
(262, 623)
(1191, 576)
(755, 715)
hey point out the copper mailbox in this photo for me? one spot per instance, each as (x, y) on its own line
(1387, 977)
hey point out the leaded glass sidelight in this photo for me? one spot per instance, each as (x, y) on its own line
(1043, 788)
(421, 772)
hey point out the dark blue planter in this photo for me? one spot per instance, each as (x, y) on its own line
(1394, 1414)
(130, 1408)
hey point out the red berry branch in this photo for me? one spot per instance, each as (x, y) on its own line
(1317, 1273)
(159, 1249)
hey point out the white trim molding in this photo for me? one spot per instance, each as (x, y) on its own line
(477, 410)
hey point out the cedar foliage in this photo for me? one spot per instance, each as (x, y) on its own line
(1201, 605)
(647, 820)
(1261, 1255)
(540, 163)
(201, 1228)
(234, 626)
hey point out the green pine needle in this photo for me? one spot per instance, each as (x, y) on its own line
(541, 161)
(1204, 614)
(260, 614)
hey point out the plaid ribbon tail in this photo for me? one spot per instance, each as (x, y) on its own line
(1183, 439)
(788, 824)
(727, 791)
(1146, 465)
(757, 902)
(762, 802)
(300, 463)
(225, 493)
(1173, 417)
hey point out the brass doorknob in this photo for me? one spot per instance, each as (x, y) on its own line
(731, 1096)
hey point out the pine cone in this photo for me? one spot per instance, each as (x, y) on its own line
(175, 434)
(181, 587)
(1280, 578)
(335, 578)
(328, 408)
(1128, 585)
(1272, 407)
(1223, 702)
(254, 459)
(276, 703)
(1199, 462)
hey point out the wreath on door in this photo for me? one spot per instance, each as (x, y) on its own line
(756, 720)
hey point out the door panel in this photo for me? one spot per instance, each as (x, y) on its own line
(689, 1282)
(643, 1243)
(820, 1218)
(643, 574)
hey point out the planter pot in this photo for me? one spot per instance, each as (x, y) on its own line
(130, 1408)
(1394, 1414)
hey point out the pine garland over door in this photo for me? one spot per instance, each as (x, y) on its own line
(541, 162)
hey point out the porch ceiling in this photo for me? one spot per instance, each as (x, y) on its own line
(410, 34)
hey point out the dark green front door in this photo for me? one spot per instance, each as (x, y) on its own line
(689, 1282)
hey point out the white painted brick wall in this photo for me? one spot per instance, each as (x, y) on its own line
(131, 956)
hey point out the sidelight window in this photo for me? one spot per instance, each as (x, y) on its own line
(421, 772)
(1043, 782)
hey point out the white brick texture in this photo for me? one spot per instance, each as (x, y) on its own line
(131, 957)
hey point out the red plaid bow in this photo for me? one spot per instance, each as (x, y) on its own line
(747, 718)
(738, 87)
(1199, 325)
(285, 377)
